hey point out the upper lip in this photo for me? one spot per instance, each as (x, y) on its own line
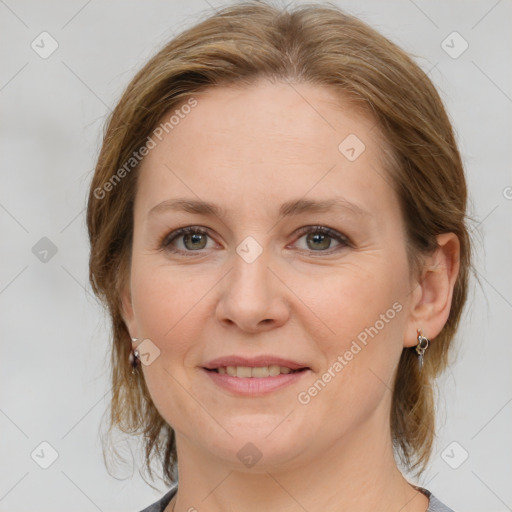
(253, 362)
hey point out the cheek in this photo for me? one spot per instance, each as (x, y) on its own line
(166, 302)
(362, 322)
(361, 348)
(354, 298)
(166, 307)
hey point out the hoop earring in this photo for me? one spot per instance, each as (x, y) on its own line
(133, 358)
(421, 347)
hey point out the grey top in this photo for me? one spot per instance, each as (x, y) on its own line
(434, 504)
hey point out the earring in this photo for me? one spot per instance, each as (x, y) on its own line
(421, 347)
(133, 358)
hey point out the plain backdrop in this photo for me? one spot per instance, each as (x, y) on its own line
(54, 354)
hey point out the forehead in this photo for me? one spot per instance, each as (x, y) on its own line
(256, 143)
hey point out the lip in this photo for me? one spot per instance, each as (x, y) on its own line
(253, 362)
(254, 386)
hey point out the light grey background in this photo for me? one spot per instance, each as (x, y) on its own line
(54, 383)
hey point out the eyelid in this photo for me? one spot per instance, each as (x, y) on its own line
(169, 237)
(333, 233)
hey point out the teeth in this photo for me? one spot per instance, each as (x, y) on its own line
(274, 370)
(258, 372)
(243, 371)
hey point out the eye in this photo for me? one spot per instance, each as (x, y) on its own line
(193, 239)
(319, 238)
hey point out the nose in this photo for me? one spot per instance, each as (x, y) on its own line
(253, 296)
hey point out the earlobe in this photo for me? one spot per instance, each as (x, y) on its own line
(433, 298)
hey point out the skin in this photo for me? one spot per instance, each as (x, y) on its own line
(250, 149)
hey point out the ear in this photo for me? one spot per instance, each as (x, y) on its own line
(127, 311)
(432, 296)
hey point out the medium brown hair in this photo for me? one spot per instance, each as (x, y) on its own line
(316, 44)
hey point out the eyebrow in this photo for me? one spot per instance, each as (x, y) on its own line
(290, 208)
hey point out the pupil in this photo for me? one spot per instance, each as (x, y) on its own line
(195, 238)
(320, 237)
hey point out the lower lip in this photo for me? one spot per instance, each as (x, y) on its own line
(252, 386)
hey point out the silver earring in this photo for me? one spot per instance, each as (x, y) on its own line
(133, 358)
(421, 347)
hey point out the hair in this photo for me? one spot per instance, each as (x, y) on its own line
(315, 44)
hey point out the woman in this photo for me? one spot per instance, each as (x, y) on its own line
(277, 226)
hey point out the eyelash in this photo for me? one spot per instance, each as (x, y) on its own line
(165, 242)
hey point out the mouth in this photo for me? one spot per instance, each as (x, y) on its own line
(255, 372)
(253, 381)
(252, 376)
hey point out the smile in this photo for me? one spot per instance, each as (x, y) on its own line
(254, 381)
(254, 372)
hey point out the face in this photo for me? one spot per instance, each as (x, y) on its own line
(268, 276)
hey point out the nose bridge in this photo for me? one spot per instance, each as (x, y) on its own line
(250, 275)
(251, 297)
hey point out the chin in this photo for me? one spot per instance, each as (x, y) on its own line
(257, 449)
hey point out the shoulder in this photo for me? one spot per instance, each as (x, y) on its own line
(159, 506)
(434, 504)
